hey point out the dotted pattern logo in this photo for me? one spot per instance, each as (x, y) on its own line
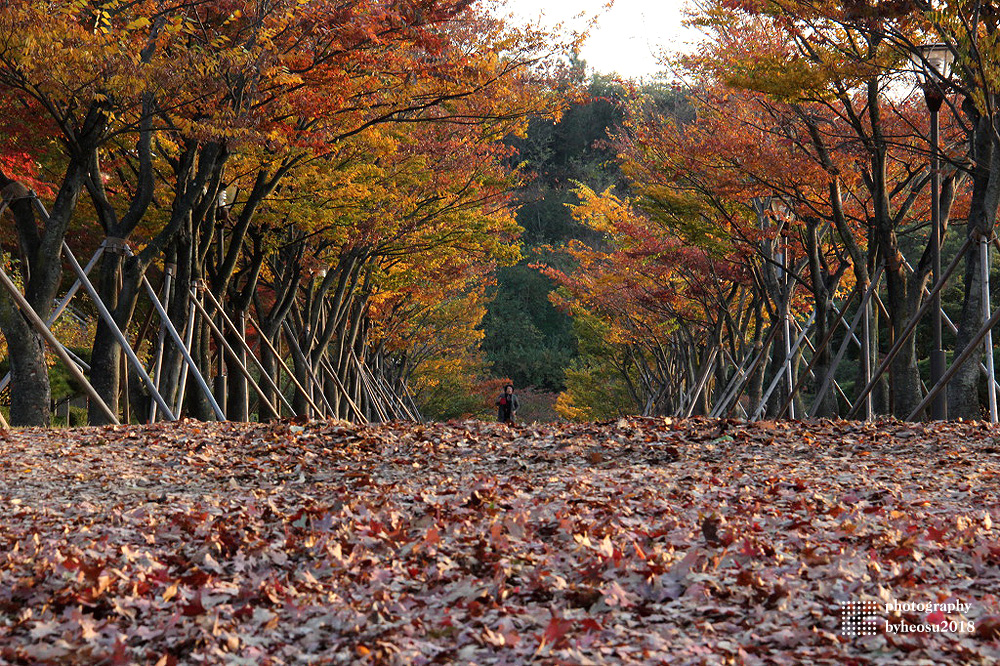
(858, 618)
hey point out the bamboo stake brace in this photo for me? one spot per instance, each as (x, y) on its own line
(343, 389)
(970, 349)
(267, 342)
(188, 343)
(782, 374)
(108, 319)
(161, 336)
(825, 386)
(911, 325)
(64, 302)
(812, 362)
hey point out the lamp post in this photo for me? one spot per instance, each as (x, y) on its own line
(783, 214)
(933, 67)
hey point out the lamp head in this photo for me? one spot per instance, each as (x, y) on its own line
(932, 65)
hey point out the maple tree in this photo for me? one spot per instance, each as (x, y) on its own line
(645, 287)
(398, 106)
(835, 81)
(806, 169)
(968, 31)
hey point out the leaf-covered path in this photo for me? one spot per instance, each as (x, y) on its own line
(638, 541)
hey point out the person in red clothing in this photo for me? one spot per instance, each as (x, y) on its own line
(507, 405)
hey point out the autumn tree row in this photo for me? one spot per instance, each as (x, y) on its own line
(802, 180)
(333, 171)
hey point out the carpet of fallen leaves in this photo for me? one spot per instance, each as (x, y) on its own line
(642, 540)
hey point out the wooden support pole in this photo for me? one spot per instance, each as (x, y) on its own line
(192, 322)
(954, 329)
(373, 397)
(866, 356)
(723, 402)
(293, 344)
(862, 309)
(64, 302)
(911, 325)
(110, 321)
(991, 393)
(789, 356)
(232, 353)
(822, 345)
(391, 405)
(175, 336)
(265, 341)
(738, 382)
(387, 396)
(843, 395)
(969, 350)
(260, 366)
(44, 331)
(286, 330)
(853, 335)
(244, 407)
(702, 381)
(325, 364)
(387, 390)
(413, 404)
(168, 276)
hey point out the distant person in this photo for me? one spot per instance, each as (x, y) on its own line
(507, 405)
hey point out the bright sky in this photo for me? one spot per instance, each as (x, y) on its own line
(626, 39)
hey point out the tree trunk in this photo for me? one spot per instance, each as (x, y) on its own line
(106, 352)
(270, 365)
(238, 399)
(41, 273)
(30, 396)
(197, 404)
(963, 389)
(827, 406)
(904, 374)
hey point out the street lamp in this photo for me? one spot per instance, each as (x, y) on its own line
(933, 67)
(784, 213)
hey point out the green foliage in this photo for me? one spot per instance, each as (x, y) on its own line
(527, 339)
(62, 385)
(453, 396)
(77, 417)
(595, 389)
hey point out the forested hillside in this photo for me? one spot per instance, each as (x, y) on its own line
(529, 339)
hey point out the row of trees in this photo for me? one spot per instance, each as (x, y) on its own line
(795, 177)
(334, 169)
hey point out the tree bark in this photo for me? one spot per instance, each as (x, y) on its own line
(41, 271)
(30, 396)
(963, 389)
